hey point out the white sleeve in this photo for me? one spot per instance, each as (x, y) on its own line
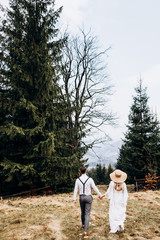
(110, 190)
(95, 188)
(125, 196)
(75, 190)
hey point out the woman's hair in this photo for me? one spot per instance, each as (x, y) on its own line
(118, 186)
(83, 169)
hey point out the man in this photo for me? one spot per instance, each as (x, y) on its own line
(84, 184)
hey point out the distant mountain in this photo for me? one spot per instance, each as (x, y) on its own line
(105, 154)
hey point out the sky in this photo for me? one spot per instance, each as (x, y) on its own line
(131, 29)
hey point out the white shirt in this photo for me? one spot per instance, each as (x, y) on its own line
(87, 187)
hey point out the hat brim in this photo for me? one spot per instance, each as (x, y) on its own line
(120, 179)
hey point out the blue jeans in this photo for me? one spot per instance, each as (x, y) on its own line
(86, 204)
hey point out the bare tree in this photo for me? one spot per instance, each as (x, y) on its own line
(85, 88)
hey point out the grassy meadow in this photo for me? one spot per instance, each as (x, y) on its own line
(54, 217)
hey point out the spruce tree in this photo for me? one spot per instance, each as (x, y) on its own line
(30, 52)
(109, 170)
(140, 152)
(99, 173)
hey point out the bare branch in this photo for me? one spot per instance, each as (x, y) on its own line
(86, 84)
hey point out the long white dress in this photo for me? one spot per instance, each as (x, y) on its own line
(117, 207)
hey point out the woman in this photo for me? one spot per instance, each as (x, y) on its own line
(118, 195)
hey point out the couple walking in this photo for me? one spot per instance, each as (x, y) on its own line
(116, 192)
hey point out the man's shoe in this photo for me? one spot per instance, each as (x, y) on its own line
(85, 235)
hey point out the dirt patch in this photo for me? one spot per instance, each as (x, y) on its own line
(55, 226)
(5, 208)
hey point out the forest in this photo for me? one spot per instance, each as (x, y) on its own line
(53, 89)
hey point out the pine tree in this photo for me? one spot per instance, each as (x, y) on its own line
(93, 174)
(30, 52)
(109, 170)
(154, 148)
(140, 152)
(68, 158)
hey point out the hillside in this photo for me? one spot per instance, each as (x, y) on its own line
(107, 154)
(55, 218)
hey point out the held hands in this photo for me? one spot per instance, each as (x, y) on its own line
(101, 197)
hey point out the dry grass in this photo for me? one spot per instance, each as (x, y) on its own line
(55, 218)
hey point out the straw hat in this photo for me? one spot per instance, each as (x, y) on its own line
(118, 176)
